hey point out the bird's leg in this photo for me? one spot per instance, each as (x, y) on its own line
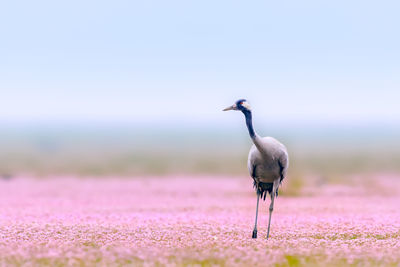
(271, 206)
(271, 209)
(255, 224)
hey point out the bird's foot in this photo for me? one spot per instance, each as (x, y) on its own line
(254, 234)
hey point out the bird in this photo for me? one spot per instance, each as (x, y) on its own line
(268, 162)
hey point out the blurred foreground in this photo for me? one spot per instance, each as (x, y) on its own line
(199, 220)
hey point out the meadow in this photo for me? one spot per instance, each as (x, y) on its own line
(91, 197)
(193, 221)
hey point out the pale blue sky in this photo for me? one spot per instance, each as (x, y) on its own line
(186, 60)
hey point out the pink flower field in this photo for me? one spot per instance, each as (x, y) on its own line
(201, 221)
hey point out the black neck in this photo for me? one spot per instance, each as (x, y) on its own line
(249, 122)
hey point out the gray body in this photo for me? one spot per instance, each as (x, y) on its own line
(268, 160)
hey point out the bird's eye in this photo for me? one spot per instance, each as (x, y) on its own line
(241, 103)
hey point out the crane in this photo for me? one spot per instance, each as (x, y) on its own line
(268, 162)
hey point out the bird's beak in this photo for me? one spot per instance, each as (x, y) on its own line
(233, 107)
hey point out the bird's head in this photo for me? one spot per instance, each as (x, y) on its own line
(241, 105)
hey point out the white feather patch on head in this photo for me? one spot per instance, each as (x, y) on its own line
(246, 105)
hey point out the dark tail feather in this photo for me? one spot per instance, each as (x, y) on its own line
(263, 188)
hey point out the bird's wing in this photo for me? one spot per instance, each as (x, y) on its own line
(283, 162)
(251, 161)
(252, 168)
